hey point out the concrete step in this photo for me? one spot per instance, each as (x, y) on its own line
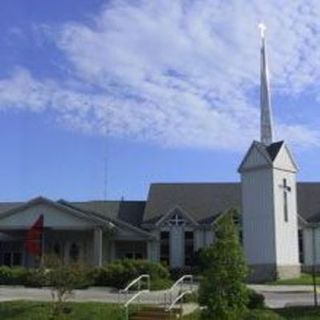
(155, 313)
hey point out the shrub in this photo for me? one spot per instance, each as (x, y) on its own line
(36, 278)
(119, 273)
(256, 300)
(161, 284)
(12, 276)
(177, 273)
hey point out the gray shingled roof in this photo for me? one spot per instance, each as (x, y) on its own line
(203, 201)
(309, 200)
(128, 211)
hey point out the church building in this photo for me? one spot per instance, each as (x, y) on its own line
(279, 224)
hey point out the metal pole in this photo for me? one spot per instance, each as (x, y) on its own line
(315, 295)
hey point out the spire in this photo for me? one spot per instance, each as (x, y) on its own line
(265, 103)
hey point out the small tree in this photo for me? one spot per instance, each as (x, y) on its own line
(63, 279)
(223, 291)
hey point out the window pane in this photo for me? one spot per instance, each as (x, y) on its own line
(17, 259)
(164, 235)
(7, 259)
(129, 255)
(188, 248)
(74, 252)
(139, 255)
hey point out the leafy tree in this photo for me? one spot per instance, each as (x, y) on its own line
(63, 279)
(223, 291)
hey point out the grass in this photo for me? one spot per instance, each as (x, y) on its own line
(22, 310)
(294, 313)
(304, 279)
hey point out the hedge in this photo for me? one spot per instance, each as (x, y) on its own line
(119, 273)
(116, 274)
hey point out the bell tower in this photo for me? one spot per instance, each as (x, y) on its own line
(269, 198)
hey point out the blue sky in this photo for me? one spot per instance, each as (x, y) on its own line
(164, 90)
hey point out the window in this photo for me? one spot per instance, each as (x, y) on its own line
(165, 247)
(11, 259)
(57, 249)
(17, 259)
(7, 259)
(74, 252)
(301, 248)
(188, 248)
(134, 255)
(176, 220)
(241, 236)
(129, 255)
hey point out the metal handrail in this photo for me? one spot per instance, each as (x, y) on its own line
(137, 280)
(126, 305)
(132, 283)
(176, 300)
(178, 282)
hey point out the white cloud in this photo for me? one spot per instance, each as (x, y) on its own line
(178, 73)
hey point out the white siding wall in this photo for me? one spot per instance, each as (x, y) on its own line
(308, 246)
(258, 220)
(286, 232)
(203, 238)
(53, 217)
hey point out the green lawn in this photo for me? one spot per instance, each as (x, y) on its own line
(25, 310)
(299, 313)
(305, 279)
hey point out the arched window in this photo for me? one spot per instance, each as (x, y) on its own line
(74, 252)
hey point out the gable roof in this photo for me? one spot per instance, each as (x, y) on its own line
(110, 218)
(41, 200)
(177, 210)
(258, 154)
(266, 156)
(273, 149)
(202, 201)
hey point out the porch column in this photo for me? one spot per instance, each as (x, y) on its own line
(98, 247)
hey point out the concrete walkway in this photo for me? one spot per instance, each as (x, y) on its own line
(94, 294)
(276, 296)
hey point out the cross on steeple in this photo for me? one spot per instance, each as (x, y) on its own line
(286, 190)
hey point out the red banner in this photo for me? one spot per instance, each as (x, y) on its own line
(33, 242)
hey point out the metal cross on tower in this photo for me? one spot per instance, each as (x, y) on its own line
(286, 190)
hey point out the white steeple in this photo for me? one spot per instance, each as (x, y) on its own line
(265, 102)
